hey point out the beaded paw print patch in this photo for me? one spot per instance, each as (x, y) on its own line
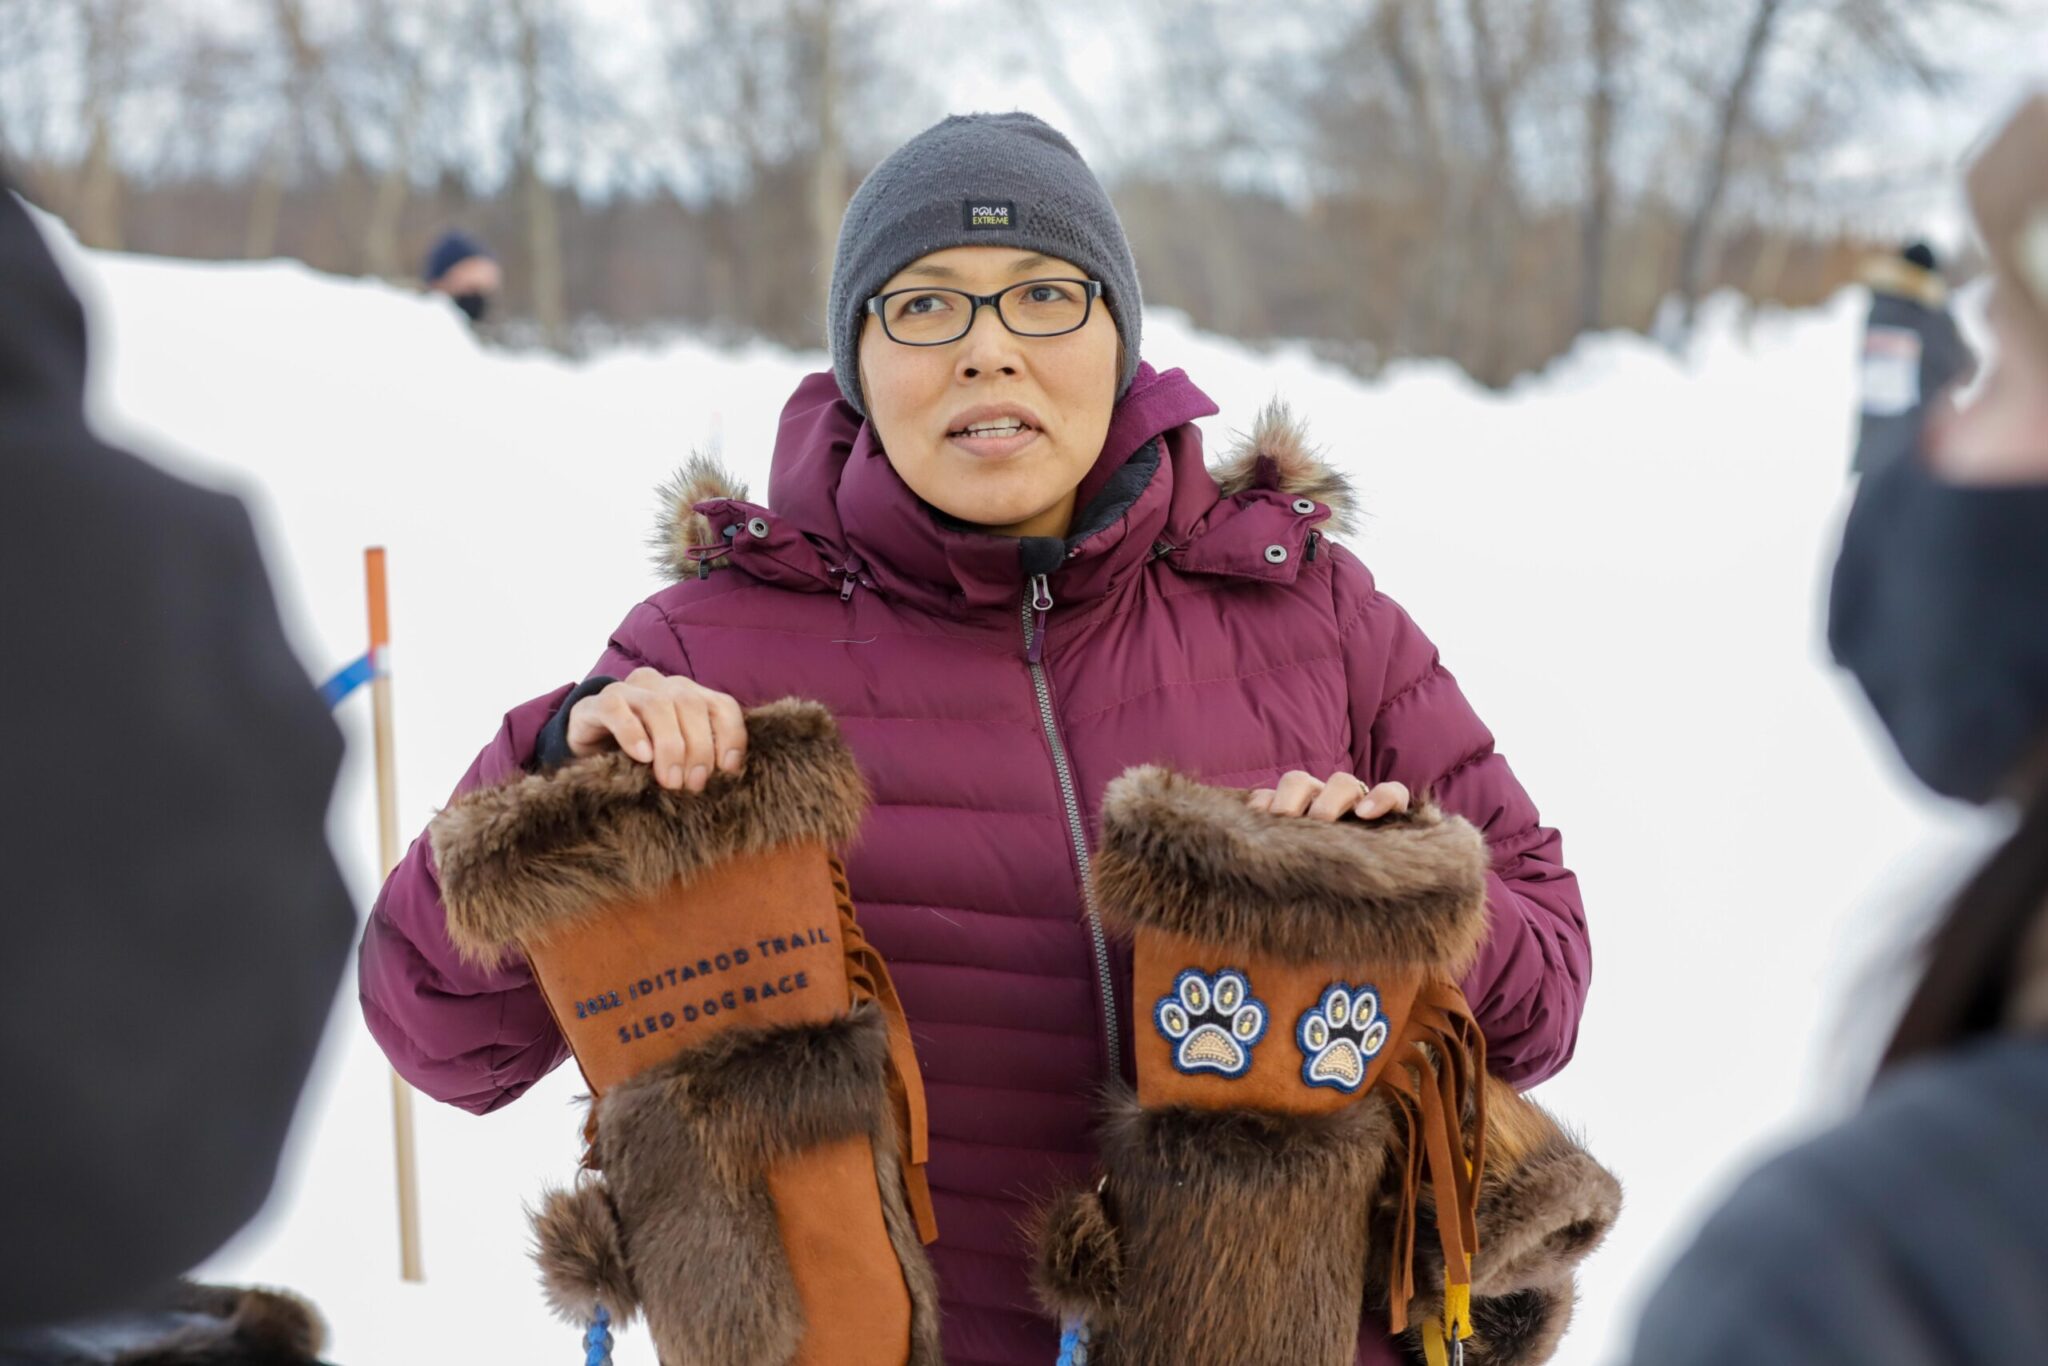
(1212, 1022)
(1340, 1035)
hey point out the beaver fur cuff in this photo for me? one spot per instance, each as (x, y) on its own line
(526, 859)
(1196, 861)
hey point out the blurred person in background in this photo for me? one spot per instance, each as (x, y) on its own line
(1916, 1233)
(1912, 352)
(993, 547)
(462, 268)
(175, 923)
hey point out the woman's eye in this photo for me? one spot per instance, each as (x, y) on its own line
(920, 304)
(1045, 294)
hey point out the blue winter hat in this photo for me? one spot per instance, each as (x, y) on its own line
(979, 180)
(451, 250)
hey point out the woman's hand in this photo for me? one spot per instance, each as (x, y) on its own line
(1341, 794)
(676, 726)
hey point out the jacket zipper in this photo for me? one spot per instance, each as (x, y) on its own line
(1037, 602)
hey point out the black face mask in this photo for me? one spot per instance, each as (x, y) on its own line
(1940, 609)
(475, 305)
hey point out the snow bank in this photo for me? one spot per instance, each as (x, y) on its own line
(1623, 560)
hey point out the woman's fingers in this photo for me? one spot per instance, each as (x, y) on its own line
(590, 727)
(693, 716)
(728, 732)
(1340, 796)
(616, 715)
(657, 712)
(681, 730)
(605, 721)
(1291, 797)
(1383, 800)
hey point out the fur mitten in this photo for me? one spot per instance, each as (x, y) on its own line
(1309, 1085)
(757, 1128)
(1544, 1204)
(192, 1325)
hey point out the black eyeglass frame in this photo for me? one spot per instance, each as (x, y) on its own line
(1094, 290)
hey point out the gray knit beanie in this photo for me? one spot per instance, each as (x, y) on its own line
(978, 180)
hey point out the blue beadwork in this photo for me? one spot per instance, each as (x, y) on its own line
(1191, 1010)
(1338, 1014)
(597, 1340)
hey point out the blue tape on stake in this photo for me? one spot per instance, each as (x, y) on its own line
(346, 680)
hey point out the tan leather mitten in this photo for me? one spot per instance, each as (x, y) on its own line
(756, 1131)
(1309, 1084)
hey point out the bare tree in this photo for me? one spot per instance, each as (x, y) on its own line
(400, 74)
(536, 38)
(1498, 83)
(111, 34)
(1731, 120)
(768, 93)
(828, 156)
(1605, 42)
(314, 129)
(24, 36)
(1388, 177)
(1862, 46)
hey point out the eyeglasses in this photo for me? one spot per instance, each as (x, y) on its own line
(1032, 308)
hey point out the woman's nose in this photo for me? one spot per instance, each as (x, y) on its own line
(988, 348)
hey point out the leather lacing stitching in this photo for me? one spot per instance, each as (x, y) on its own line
(869, 977)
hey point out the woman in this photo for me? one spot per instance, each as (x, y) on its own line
(992, 548)
(1916, 1233)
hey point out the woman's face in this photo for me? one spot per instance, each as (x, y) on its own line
(2001, 435)
(994, 429)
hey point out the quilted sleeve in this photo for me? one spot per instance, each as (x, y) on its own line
(1411, 724)
(477, 1036)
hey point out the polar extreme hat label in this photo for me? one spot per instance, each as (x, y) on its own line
(985, 213)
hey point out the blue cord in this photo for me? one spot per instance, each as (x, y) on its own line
(1074, 1345)
(597, 1341)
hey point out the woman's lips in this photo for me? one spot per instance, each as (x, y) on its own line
(994, 447)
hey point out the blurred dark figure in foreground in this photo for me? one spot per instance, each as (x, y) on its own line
(1912, 353)
(1916, 1233)
(463, 268)
(175, 926)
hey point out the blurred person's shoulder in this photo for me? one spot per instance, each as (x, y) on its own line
(1877, 1241)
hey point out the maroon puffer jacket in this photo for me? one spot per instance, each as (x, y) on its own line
(1194, 625)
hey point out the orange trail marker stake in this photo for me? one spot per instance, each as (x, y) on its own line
(410, 1266)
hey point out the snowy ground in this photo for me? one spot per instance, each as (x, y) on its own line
(1623, 560)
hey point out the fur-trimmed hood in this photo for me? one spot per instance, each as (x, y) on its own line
(809, 533)
(1903, 279)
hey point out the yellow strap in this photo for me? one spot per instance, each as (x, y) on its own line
(1457, 1310)
(1433, 1350)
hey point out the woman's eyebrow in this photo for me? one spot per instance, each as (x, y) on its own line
(937, 272)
